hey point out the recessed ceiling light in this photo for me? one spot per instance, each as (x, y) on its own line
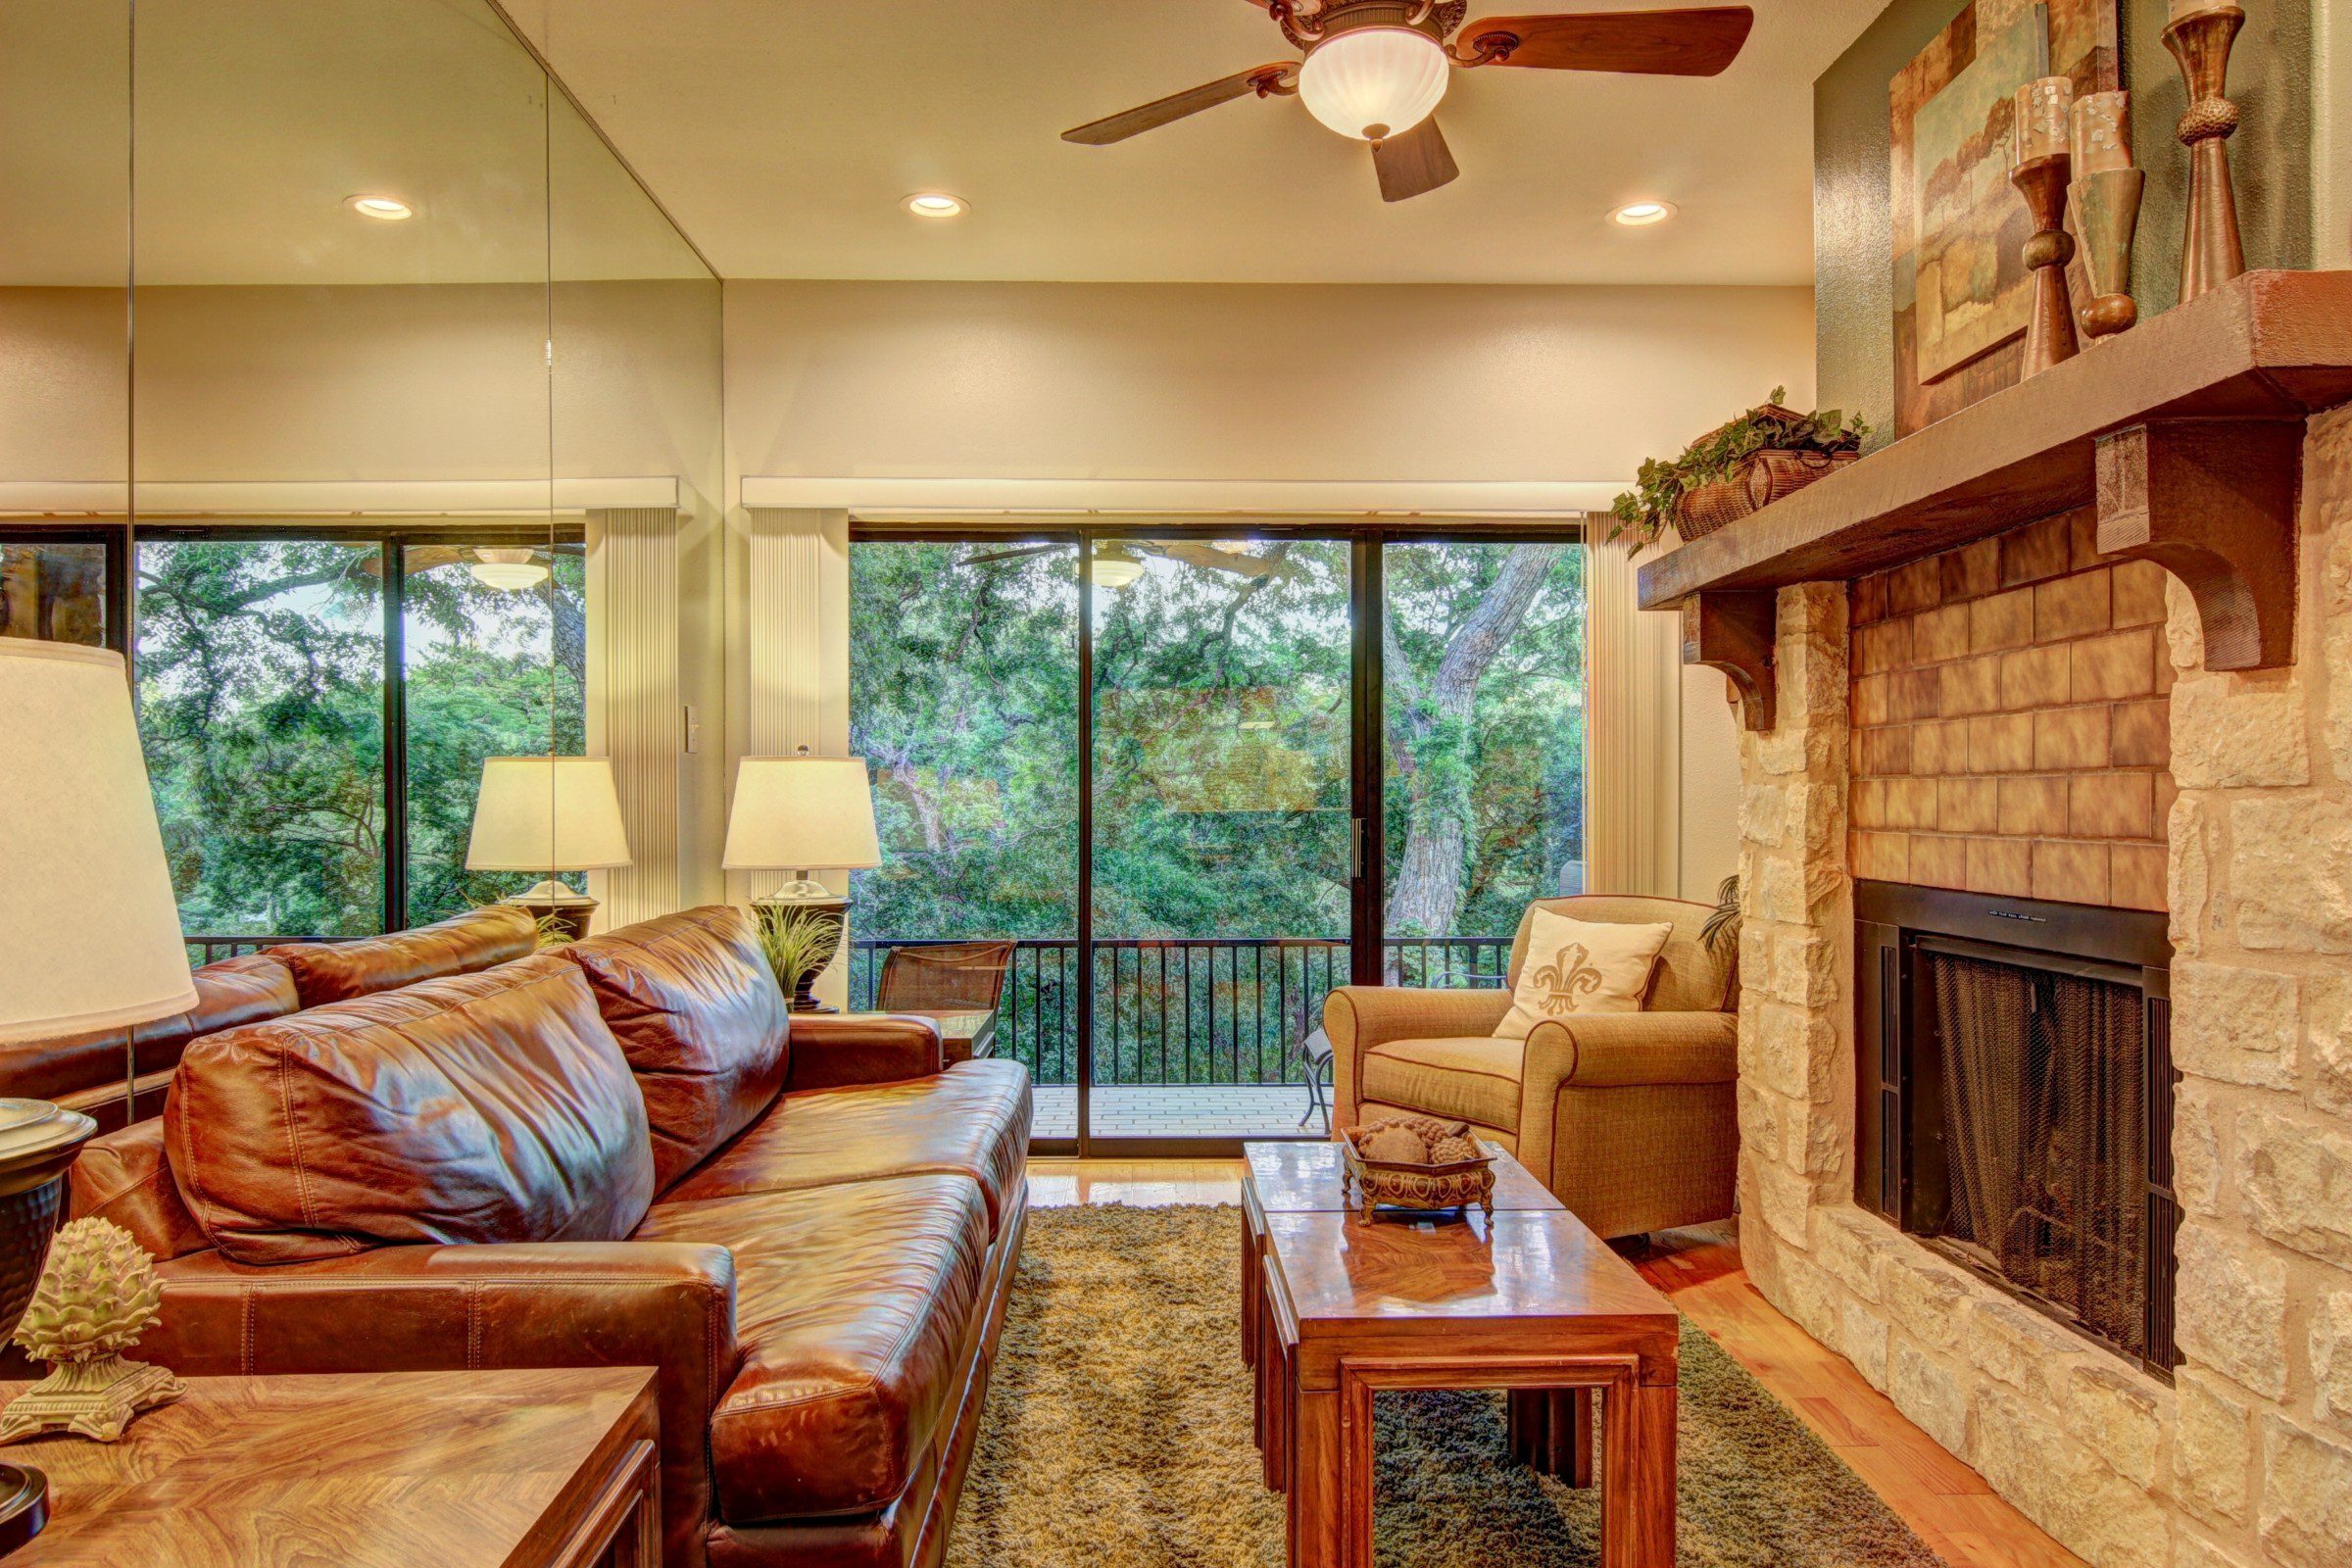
(1640, 215)
(387, 208)
(937, 203)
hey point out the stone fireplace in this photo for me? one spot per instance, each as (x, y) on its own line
(2027, 725)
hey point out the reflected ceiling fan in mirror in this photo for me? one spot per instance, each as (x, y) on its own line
(1116, 564)
(1376, 69)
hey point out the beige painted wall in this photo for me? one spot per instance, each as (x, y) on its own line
(1223, 383)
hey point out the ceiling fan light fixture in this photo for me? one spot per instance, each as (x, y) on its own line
(1373, 83)
(383, 209)
(1640, 215)
(508, 571)
(1115, 569)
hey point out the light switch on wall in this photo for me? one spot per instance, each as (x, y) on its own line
(694, 732)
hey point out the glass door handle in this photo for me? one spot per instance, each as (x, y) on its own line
(1356, 847)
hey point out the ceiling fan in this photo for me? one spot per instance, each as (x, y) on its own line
(1116, 563)
(1375, 69)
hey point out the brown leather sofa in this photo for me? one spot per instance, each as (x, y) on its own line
(85, 1072)
(624, 1153)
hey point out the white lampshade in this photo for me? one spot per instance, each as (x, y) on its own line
(546, 813)
(1374, 82)
(801, 814)
(89, 929)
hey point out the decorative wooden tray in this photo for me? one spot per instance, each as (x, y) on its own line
(1375, 1184)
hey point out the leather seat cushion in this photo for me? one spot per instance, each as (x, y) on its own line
(702, 1020)
(853, 1304)
(485, 1108)
(1474, 1079)
(463, 943)
(973, 1119)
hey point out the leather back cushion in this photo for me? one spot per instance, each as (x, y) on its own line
(1690, 976)
(463, 943)
(228, 994)
(487, 1107)
(124, 1177)
(698, 1014)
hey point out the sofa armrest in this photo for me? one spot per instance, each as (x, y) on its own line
(1355, 1018)
(667, 1306)
(831, 1051)
(1611, 1050)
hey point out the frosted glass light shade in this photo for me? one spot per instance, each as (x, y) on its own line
(546, 813)
(1374, 82)
(89, 928)
(801, 814)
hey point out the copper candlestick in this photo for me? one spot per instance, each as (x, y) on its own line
(2200, 36)
(2050, 334)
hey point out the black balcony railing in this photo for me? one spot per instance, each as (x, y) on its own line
(1188, 1011)
(1178, 1011)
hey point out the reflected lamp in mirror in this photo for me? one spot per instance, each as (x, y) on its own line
(801, 814)
(88, 920)
(550, 815)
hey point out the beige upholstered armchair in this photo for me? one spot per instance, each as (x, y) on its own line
(1631, 1118)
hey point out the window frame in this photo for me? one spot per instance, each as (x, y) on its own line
(1367, 539)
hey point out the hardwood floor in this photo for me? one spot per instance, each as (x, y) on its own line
(1947, 1503)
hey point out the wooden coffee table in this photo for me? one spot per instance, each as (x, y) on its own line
(1337, 1308)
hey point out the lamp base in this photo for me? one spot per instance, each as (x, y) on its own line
(23, 1506)
(553, 903)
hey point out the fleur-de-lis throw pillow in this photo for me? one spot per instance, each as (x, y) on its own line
(1578, 967)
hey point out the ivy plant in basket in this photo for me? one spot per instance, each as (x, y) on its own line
(1737, 468)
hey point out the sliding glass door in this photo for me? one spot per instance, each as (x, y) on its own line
(1191, 778)
(1223, 841)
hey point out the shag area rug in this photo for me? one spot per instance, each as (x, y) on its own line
(1116, 1434)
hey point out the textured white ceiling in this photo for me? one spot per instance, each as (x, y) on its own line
(783, 133)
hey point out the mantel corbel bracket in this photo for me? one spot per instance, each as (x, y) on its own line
(1732, 630)
(2212, 502)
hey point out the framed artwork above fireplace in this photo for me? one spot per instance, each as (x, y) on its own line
(1961, 287)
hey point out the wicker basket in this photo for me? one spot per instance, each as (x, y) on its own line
(1372, 1184)
(1761, 480)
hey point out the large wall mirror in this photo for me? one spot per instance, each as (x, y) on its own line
(343, 356)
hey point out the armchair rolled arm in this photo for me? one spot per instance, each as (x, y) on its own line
(666, 1306)
(1359, 1017)
(1611, 1049)
(830, 1050)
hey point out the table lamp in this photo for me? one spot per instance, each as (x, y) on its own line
(549, 813)
(90, 928)
(799, 815)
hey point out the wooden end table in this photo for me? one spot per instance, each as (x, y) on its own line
(1336, 1307)
(966, 1034)
(524, 1469)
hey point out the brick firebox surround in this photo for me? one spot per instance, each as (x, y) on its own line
(2011, 720)
(2245, 1461)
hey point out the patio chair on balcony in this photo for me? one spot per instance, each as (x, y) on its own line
(1630, 1118)
(958, 983)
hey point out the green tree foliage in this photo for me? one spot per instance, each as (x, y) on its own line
(1221, 736)
(261, 688)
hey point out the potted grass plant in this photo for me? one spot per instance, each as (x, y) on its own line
(1737, 468)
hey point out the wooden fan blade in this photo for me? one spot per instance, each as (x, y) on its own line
(1164, 111)
(1209, 558)
(1417, 162)
(1007, 555)
(1648, 43)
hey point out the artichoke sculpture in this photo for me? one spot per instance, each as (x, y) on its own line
(98, 1293)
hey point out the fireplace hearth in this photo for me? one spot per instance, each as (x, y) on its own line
(2016, 1088)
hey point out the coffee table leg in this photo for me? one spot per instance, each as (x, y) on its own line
(1251, 1264)
(1637, 1485)
(1319, 1492)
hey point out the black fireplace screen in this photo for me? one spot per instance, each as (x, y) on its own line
(2045, 1136)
